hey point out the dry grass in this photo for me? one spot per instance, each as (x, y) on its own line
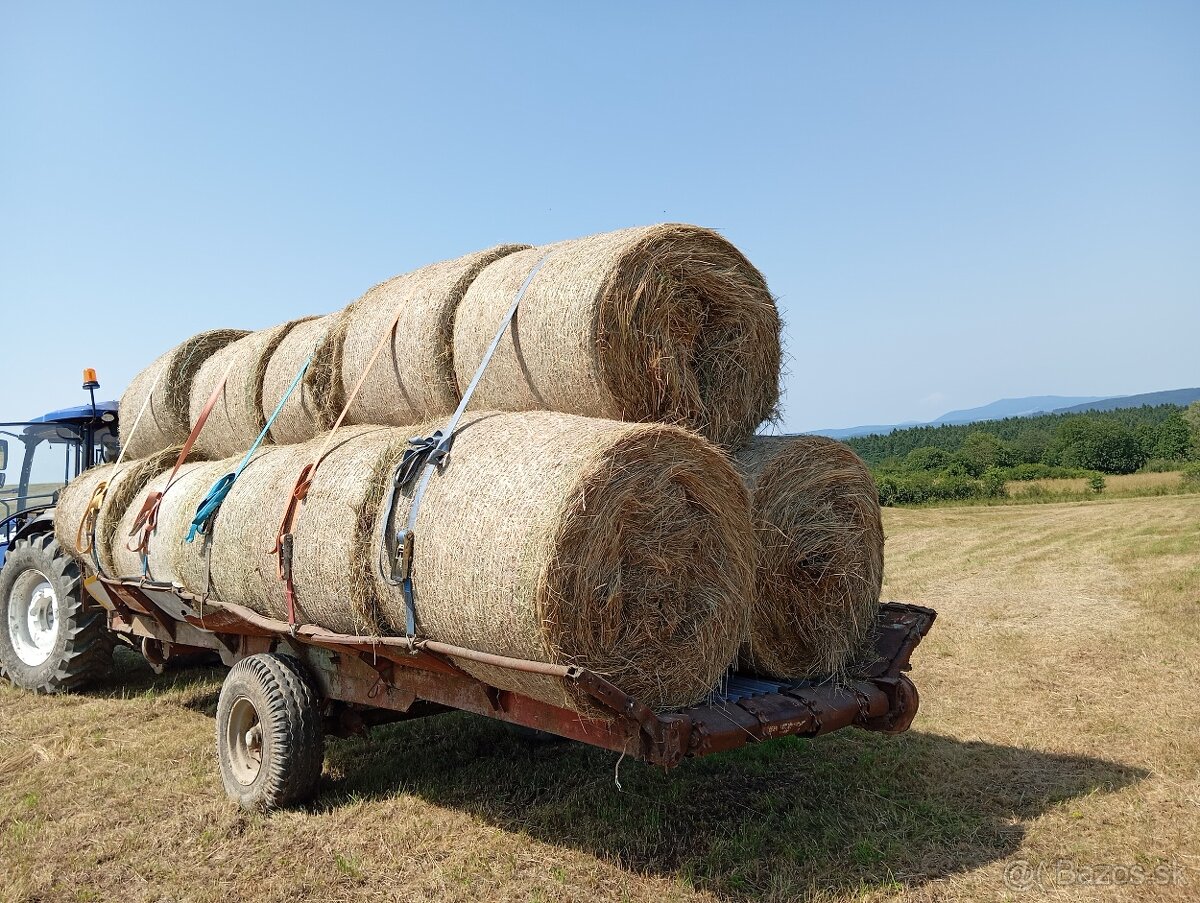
(1057, 722)
(1119, 486)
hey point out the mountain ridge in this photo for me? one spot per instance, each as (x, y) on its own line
(1026, 406)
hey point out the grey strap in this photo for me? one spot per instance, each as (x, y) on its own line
(426, 455)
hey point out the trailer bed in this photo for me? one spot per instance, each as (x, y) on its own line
(371, 680)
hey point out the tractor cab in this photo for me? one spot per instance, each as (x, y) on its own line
(40, 456)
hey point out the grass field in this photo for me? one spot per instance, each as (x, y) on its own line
(1058, 725)
(1129, 485)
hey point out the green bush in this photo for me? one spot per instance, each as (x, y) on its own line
(1097, 484)
(1191, 475)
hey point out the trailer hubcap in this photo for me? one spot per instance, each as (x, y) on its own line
(244, 740)
(33, 617)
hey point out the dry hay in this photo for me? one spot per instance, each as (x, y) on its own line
(166, 420)
(125, 481)
(623, 548)
(820, 555)
(167, 556)
(303, 414)
(666, 323)
(237, 418)
(413, 378)
(330, 566)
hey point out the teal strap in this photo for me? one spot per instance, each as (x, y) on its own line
(211, 503)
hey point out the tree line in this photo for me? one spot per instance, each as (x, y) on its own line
(978, 460)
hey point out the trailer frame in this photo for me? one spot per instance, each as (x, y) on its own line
(372, 680)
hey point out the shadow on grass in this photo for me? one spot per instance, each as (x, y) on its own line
(852, 811)
(197, 684)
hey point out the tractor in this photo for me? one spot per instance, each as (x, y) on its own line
(52, 637)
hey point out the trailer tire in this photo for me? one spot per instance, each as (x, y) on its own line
(51, 641)
(270, 739)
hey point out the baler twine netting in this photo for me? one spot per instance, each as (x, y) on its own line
(820, 555)
(414, 379)
(167, 384)
(667, 323)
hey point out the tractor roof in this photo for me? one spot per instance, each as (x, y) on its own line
(80, 414)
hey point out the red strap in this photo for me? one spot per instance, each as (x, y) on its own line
(147, 520)
(282, 549)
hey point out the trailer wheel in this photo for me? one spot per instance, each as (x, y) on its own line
(270, 740)
(49, 641)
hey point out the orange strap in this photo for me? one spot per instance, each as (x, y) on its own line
(147, 520)
(282, 550)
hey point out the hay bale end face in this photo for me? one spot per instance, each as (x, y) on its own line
(622, 548)
(166, 419)
(820, 555)
(413, 378)
(237, 418)
(667, 323)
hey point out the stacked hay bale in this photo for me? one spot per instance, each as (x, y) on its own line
(623, 548)
(237, 418)
(309, 409)
(161, 394)
(125, 480)
(667, 323)
(587, 517)
(819, 535)
(413, 378)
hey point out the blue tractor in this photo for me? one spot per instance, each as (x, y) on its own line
(51, 637)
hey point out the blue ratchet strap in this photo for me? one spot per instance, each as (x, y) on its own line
(423, 456)
(211, 504)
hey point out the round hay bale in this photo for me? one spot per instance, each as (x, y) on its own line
(413, 378)
(125, 481)
(166, 421)
(626, 549)
(303, 414)
(667, 323)
(820, 555)
(170, 559)
(237, 418)
(330, 567)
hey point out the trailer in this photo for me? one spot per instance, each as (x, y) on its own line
(288, 686)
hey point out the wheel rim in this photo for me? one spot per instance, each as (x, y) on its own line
(33, 617)
(244, 740)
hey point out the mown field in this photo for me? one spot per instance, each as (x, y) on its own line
(1056, 757)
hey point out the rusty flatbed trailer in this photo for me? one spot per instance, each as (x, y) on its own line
(360, 681)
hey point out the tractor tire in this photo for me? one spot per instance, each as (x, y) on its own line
(270, 734)
(51, 639)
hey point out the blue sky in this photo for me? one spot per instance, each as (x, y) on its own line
(954, 203)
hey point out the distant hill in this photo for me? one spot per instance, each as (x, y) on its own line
(1024, 407)
(1015, 407)
(1181, 397)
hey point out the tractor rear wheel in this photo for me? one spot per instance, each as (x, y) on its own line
(270, 734)
(51, 641)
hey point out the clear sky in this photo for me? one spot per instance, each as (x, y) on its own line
(954, 203)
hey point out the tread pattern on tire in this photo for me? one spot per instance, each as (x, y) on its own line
(289, 710)
(87, 653)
